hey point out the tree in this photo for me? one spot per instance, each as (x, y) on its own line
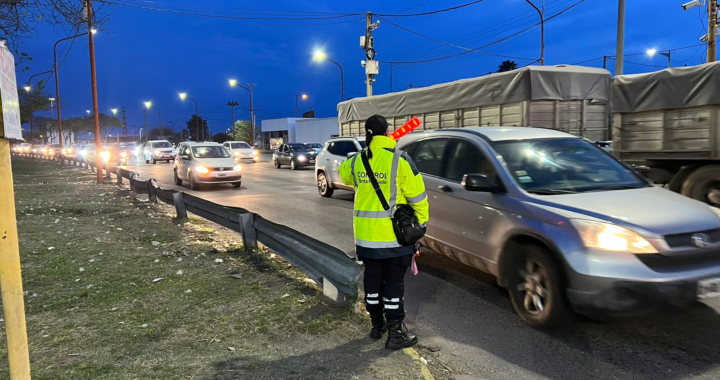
(107, 123)
(507, 66)
(18, 19)
(221, 137)
(191, 128)
(46, 128)
(241, 131)
(74, 126)
(34, 100)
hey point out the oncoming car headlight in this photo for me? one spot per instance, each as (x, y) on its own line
(157, 152)
(202, 170)
(611, 237)
(123, 154)
(105, 156)
(237, 168)
(302, 158)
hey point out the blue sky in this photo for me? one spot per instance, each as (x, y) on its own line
(147, 55)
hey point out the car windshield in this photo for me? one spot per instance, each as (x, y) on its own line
(557, 166)
(210, 152)
(162, 144)
(240, 145)
(314, 145)
(300, 148)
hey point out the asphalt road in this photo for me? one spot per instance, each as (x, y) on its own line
(461, 312)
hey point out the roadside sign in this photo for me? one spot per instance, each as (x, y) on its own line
(10, 123)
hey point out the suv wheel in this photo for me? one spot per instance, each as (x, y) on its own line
(324, 186)
(178, 181)
(535, 289)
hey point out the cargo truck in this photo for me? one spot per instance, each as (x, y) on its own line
(670, 121)
(573, 99)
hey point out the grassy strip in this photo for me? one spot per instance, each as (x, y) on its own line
(117, 289)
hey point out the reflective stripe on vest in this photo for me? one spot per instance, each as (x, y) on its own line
(352, 166)
(418, 198)
(393, 180)
(377, 244)
(371, 214)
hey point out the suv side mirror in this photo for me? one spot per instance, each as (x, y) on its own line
(480, 183)
(350, 154)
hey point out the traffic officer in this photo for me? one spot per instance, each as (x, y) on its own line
(386, 261)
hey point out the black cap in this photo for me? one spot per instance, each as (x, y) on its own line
(376, 125)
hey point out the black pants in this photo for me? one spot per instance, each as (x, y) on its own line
(385, 286)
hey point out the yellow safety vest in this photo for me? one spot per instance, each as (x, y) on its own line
(401, 183)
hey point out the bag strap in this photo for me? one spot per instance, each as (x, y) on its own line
(373, 181)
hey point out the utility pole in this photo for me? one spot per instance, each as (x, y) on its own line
(93, 79)
(605, 57)
(542, 30)
(124, 120)
(232, 104)
(252, 114)
(620, 45)
(366, 42)
(146, 127)
(712, 20)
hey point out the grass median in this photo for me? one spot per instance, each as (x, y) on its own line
(117, 289)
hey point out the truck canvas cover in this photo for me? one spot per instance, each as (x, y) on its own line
(530, 83)
(674, 88)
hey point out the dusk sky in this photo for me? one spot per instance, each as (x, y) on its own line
(153, 55)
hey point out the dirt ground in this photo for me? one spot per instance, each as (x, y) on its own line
(118, 289)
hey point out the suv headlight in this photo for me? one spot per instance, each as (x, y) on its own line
(157, 152)
(202, 170)
(611, 237)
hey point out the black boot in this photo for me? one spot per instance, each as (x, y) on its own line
(398, 336)
(379, 327)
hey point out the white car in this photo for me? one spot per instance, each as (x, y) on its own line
(158, 150)
(241, 150)
(206, 163)
(335, 152)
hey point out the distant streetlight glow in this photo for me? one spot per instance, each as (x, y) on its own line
(28, 88)
(93, 31)
(651, 52)
(182, 95)
(149, 104)
(666, 53)
(319, 55)
(304, 97)
(51, 99)
(233, 82)
(88, 112)
(114, 111)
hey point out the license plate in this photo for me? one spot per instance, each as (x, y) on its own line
(222, 175)
(167, 156)
(709, 288)
(312, 161)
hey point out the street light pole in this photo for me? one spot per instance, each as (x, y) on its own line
(28, 88)
(542, 30)
(620, 44)
(57, 86)
(232, 105)
(342, 80)
(149, 105)
(146, 126)
(297, 109)
(233, 82)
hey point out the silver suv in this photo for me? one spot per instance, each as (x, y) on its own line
(563, 225)
(328, 162)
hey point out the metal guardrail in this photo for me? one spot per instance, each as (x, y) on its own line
(336, 272)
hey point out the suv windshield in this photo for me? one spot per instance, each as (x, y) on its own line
(300, 147)
(241, 145)
(558, 166)
(210, 152)
(163, 144)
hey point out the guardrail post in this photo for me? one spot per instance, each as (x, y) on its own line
(107, 171)
(180, 209)
(249, 235)
(332, 293)
(152, 186)
(119, 176)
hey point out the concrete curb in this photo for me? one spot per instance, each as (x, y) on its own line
(424, 370)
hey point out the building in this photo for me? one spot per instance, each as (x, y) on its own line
(287, 130)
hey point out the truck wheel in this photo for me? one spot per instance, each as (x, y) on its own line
(324, 186)
(678, 180)
(535, 288)
(703, 185)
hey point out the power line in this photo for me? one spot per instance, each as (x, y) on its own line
(432, 12)
(415, 6)
(446, 43)
(490, 44)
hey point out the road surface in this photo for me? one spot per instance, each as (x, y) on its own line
(464, 314)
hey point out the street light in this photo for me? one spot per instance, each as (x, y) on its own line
(114, 111)
(28, 88)
(234, 83)
(184, 96)
(321, 56)
(87, 111)
(297, 109)
(668, 54)
(149, 105)
(542, 29)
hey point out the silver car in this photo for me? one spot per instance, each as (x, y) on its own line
(328, 161)
(206, 163)
(563, 225)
